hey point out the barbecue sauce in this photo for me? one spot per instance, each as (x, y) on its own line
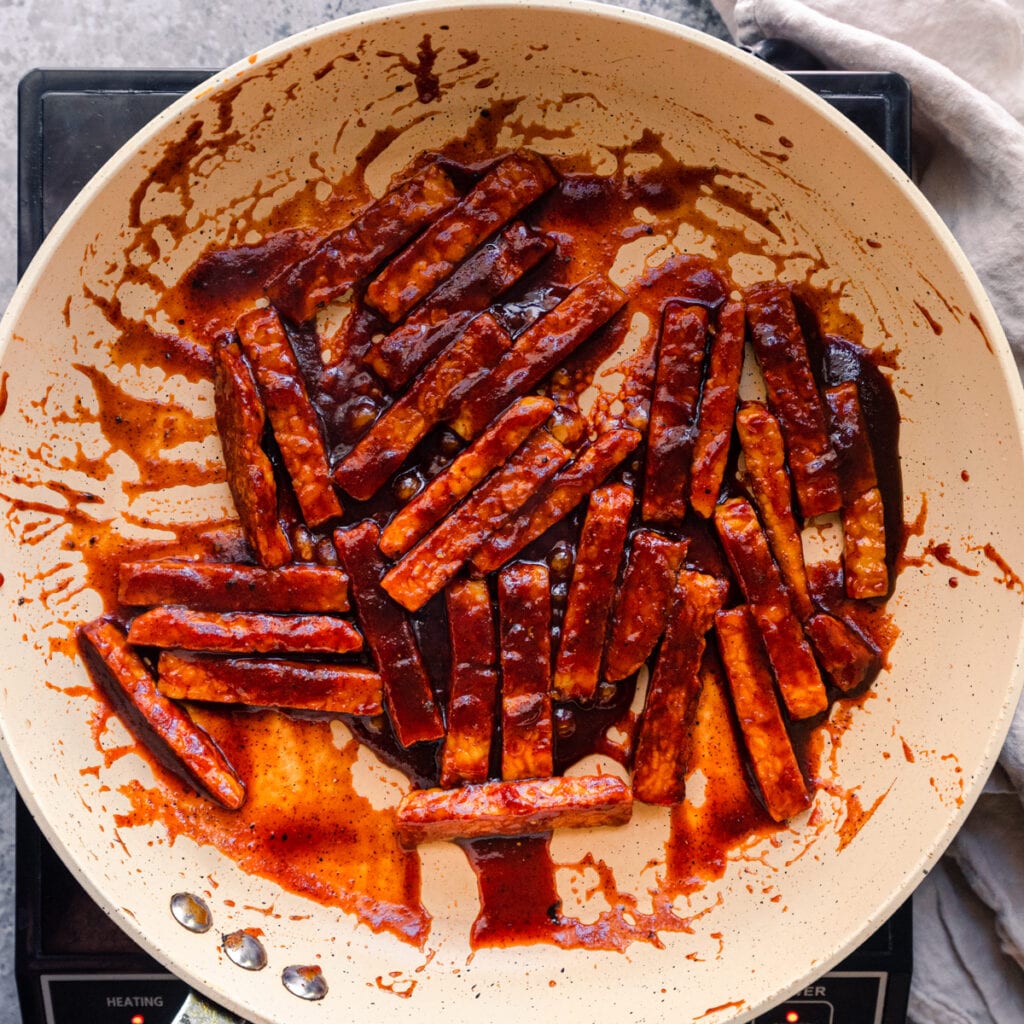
(340, 850)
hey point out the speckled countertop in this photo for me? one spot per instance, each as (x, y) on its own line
(153, 33)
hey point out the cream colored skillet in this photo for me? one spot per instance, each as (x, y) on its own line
(916, 754)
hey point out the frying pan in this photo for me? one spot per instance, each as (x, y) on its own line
(904, 773)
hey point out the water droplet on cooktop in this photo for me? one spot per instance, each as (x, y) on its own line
(304, 982)
(245, 950)
(191, 912)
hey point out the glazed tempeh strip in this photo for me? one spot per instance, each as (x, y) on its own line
(240, 421)
(567, 489)
(453, 483)
(585, 624)
(746, 548)
(538, 350)
(513, 808)
(843, 654)
(387, 444)
(408, 696)
(757, 710)
(359, 248)
(270, 682)
(672, 428)
(663, 742)
(472, 708)
(496, 198)
(291, 414)
(244, 632)
(793, 396)
(643, 602)
(527, 727)
(230, 586)
(866, 571)
(164, 728)
(717, 409)
(428, 567)
(765, 456)
(491, 270)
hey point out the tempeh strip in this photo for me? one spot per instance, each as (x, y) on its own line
(847, 658)
(746, 548)
(522, 807)
(361, 246)
(491, 270)
(793, 396)
(231, 586)
(672, 427)
(865, 568)
(244, 632)
(567, 489)
(164, 728)
(765, 456)
(472, 708)
(240, 421)
(496, 198)
(527, 727)
(408, 696)
(387, 444)
(270, 682)
(453, 483)
(598, 554)
(717, 409)
(291, 414)
(538, 350)
(663, 742)
(642, 603)
(435, 560)
(757, 710)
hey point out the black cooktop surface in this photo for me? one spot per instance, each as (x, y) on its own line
(74, 966)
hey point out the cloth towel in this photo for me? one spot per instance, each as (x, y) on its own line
(965, 65)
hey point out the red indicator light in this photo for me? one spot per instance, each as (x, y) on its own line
(138, 1019)
(791, 1017)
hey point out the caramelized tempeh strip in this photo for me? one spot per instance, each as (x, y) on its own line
(765, 456)
(434, 394)
(496, 198)
(567, 489)
(793, 396)
(163, 727)
(866, 571)
(291, 414)
(360, 247)
(717, 409)
(407, 692)
(513, 808)
(527, 727)
(642, 603)
(428, 567)
(270, 682)
(764, 733)
(474, 684)
(240, 421)
(746, 547)
(230, 586)
(843, 654)
(672, 427)
(663, 743)
(585, 624)
(244, 632)
(491, 270)
(453, 483)
(538, 350)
